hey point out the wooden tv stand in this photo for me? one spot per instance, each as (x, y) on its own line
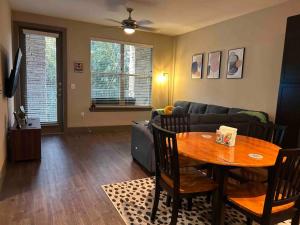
(25, 142)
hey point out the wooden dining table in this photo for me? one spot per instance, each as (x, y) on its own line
(247, 152)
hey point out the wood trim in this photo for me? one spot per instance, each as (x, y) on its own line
(121, 42)
(120, 108)
(17, 26)
(2, 173)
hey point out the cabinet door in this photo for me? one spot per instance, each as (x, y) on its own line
(291, 59)
(288, 107)
(288, 113)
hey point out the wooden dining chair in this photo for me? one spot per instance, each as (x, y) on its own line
(168, 176)
(278, 134)
(259, 174)
(275, 202)
(179, 124)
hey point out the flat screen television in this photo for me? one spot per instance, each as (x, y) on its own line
(12, 81)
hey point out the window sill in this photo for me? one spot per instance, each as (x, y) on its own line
(115, 108)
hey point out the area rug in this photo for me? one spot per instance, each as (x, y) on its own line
(133, 201)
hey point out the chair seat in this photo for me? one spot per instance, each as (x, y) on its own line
(192, 182)
(251, 197)
(249, 174)
(188, 162)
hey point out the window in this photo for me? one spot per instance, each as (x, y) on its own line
(121, 74)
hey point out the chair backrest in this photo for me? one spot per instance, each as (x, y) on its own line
(176, 123)
(166, 154)
(260, 130)
(284, 182)
(269, 131)
(278, 134)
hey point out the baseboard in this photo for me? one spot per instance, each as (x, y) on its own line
(2, 174)
(71, 130)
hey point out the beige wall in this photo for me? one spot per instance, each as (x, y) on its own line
(5, 66)
(78, 39)
(262, 34)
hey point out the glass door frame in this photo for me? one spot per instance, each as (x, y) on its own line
(19, 41)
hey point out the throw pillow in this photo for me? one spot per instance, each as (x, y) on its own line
(168, 110)
(259, 115)
(160, 111)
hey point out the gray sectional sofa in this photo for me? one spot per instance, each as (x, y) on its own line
(204, 117)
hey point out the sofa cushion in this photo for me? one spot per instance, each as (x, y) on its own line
(184, 104)
(212, 127)
(222, 119)
(197, 108)
(242, 118)
(195, 118)
(209, 118)
(216, 109)
(178, 110)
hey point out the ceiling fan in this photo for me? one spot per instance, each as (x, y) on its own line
(130, 25)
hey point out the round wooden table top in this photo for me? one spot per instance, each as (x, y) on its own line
(247, 152)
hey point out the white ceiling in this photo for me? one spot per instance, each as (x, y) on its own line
(171, 17)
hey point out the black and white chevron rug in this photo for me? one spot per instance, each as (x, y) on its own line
(133, 200)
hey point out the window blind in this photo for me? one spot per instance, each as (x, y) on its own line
(121, 74)
(40, 83)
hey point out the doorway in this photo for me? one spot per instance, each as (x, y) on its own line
(42, 83)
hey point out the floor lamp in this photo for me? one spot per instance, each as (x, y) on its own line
(163, 78)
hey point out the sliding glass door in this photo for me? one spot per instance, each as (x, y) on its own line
(42, 81)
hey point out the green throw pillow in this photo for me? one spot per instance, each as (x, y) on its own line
(259, 115)
(160, 111)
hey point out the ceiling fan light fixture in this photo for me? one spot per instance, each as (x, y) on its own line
(128, 30)
(129, 25)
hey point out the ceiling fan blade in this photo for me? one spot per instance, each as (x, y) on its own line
(115, 21)
(151, 29)
(144, 22)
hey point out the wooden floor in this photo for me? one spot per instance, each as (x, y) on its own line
(65, 187)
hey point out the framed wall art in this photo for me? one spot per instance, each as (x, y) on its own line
(78, 67)
(235, 63)
(197, 66)
(214, 65)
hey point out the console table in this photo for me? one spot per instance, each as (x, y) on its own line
(25, 142)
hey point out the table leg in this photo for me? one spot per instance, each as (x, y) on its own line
(218, 204)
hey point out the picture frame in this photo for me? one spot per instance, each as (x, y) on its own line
(235, 63)
(78, 67)
(197, 66)
(214, 65)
